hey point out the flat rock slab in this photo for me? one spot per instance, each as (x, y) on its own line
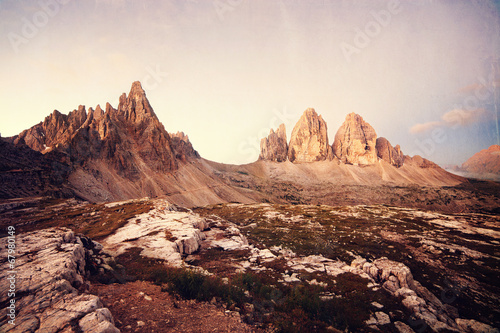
(49, 269)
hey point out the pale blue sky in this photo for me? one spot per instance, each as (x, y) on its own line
(225, 71)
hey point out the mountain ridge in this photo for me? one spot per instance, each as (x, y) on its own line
(126, 153)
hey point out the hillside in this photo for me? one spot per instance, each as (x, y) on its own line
(484, 164)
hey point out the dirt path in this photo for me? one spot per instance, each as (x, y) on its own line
(142, 307)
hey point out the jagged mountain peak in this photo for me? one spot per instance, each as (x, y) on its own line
(355, 141)
(129, 141)
(136, 89)
(135, 107)
(274, 147)
(309, 139)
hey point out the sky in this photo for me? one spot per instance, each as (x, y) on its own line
(422, 72)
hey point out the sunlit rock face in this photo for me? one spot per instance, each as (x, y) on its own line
(355, 141)
(51, 266)
(309, 140)
(126, 138)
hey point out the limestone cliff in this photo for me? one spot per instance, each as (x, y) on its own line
(309, 140)
(355, 141)
(274, 147)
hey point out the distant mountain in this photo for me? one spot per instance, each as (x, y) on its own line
(355, 143)
(127, 139)
(126, 153)
(484, 164)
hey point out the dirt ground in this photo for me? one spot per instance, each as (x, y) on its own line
(142, 307)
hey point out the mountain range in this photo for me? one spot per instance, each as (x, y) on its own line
(314, 236)
(124, 153)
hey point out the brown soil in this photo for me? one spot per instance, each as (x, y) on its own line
(164, 312)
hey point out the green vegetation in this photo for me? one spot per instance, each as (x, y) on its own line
(380, 231)
(261, 299)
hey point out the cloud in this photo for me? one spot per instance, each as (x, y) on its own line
(453, 119)
(420, 128)
(459, 117)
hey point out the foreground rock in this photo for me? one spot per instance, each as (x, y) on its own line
(309, 140)
(355, 141)
(50, 267)
(274, 147)
(163, 233)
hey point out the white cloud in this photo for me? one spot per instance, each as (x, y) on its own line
(454, 118)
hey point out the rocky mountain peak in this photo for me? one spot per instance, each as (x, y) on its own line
(135, 107)
(274, 147)
(309, 140)
(125, 139)
(136, 89)
(392, 155)
(355, 141)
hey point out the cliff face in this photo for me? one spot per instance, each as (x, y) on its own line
(390, 154)
(309, 140)
(274, 147)
(183, 147)
(355, 141)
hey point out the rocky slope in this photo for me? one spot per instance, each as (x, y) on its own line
(309, 140)
(274, 147)
(312, 267)
(484, 164)
(25, 173)
(333, 183)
